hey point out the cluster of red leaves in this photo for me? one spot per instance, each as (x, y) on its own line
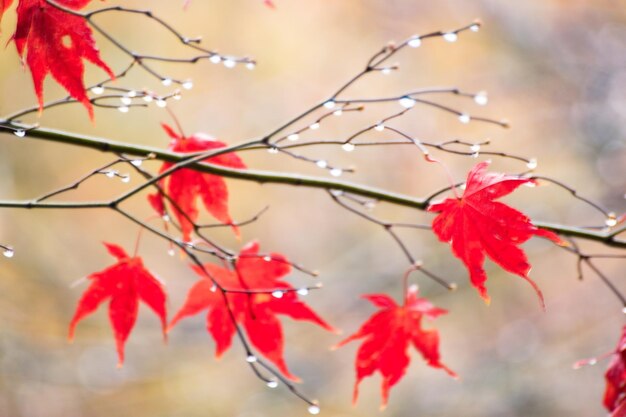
(124, 284)
(615, 392)
(53, 41)
(256, 313)
(185, 186)
(388, 334)
(475, 225)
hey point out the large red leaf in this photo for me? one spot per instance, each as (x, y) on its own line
(388, 335)
(185, 186)
(56, 42)
(475, 225)
(124, 284)
(256, 313)
(615, 392)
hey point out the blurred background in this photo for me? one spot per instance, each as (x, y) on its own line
(555, 69)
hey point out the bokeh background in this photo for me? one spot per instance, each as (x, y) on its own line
(556, 69)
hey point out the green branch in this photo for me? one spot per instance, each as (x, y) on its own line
(106, 145)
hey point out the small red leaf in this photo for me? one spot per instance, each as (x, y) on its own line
(56, 42)
(124, 283)
(475, 225)
(185, 186)
(388, 334)
(4, 5)
(256, 313)
(615, 391)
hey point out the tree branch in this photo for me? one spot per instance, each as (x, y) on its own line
(106, 145)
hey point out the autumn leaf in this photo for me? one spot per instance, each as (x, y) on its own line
(124, 284)
(388, 335)
(56, 42)
(185, 186)
(475, 225)
(256, 313)
(4, 5)
(615, 391)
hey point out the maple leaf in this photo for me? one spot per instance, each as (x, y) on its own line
(256, 313)
(186, 185)
(124, 283)
(475, 225)
(56, 42)
(388, 334)
(615, 391)
(4, 5)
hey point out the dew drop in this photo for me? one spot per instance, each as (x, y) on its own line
(475, 154)
(338, 112)
(166, 218)
(20, 133)
(161, 103)
(624, 310)
(251, 65)
(314, 410)
(475, 148)
(293, 137)
(481, 98)
(126, 100)
(277, 294)
(188, 85)
(464, 118)
(132, 94)
(273, 150)
(171, 252)
(321, 163)
(314, 126)
(407, 102)
(110, 174)
(123, 109)
(303, 291)
(97, 89)
(177, 97)
(386, 71)
(148, 98)
(348, 147)
(415, 42)
(166, 82)
(229, 63)
(267, 258)
(216, 59)
(251, 359)
(475, 27)
(611, 220)
(272, 384)
(137, 162)
(125, 178)
(213, 288)
(336, 172)
(592, 361)
(379, 127)
(8, 253)
(531, 164)
(450, 37)
(330, 104)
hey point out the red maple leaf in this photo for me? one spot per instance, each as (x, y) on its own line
(124, 283)
(56, 42)
(256, 313)
(388, 334)
(4, 5)
(615, 392)
(475, 225)
(186, 185)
